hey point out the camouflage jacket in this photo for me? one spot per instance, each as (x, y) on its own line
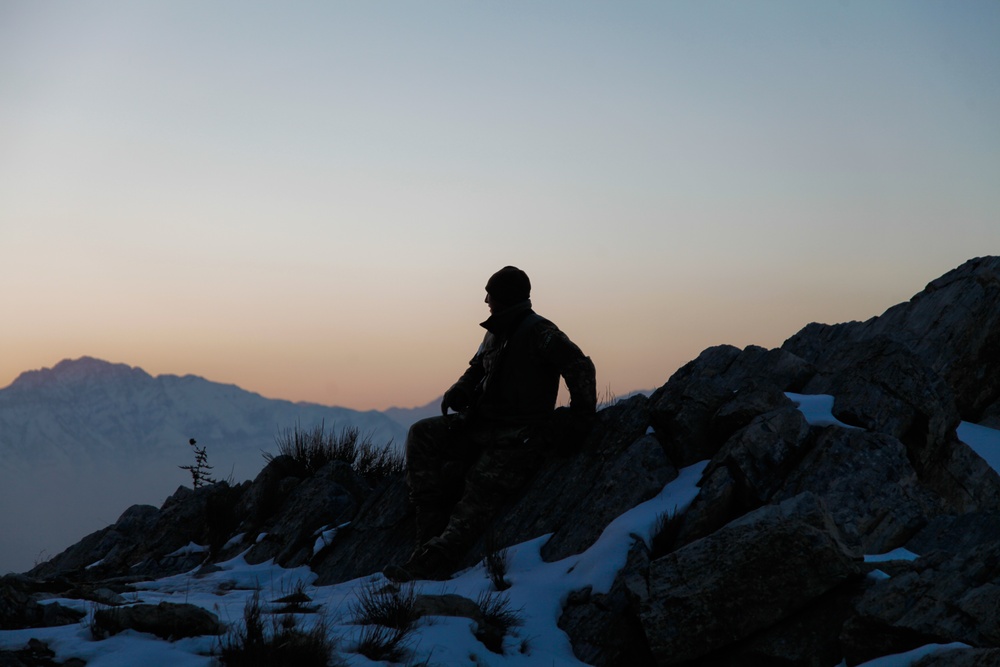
(514, 375)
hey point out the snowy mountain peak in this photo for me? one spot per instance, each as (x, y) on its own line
(77, 371)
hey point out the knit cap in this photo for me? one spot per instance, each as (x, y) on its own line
(509, 285)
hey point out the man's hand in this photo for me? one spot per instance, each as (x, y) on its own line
(455, 398)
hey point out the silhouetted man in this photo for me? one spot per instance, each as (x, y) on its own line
(504, 423)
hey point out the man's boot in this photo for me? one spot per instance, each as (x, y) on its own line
(427, 562)
(429, 523)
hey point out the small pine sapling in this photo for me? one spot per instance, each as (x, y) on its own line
(200, 471)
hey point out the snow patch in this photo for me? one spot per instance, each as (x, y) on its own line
(817, 409)
(190, 549)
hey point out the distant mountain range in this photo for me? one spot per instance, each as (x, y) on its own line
(86, 438)
(87, 409)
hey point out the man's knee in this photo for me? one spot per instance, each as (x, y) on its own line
(426, 436)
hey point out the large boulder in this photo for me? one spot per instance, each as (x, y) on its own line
(747, 576)
(604, 628)
(866, 480)
(746, 472)
(328, 498)
(166, 620)
(382, 532)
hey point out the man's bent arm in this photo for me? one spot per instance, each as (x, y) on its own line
(581, 380)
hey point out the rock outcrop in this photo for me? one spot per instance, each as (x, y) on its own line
(765, 565)
(953, 326)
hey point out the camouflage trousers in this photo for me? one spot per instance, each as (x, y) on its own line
(460, 472)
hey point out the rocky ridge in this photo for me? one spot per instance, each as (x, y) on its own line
(763, 568)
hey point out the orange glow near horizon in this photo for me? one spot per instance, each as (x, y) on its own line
(321, 357)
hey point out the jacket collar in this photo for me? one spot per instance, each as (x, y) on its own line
(503, 322)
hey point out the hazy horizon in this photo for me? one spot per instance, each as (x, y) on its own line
(306, 199)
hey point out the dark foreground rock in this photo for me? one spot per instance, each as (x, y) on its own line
(165, 620)
(19, 608)
(35, 654)
(749, 575)
(945, 596)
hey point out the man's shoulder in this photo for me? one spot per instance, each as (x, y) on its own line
(537, 324)
(544, 333)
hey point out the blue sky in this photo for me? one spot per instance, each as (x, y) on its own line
(307, 198)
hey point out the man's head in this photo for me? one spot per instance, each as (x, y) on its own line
(506, 287)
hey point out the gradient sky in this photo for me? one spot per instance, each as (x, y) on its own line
(306, 198)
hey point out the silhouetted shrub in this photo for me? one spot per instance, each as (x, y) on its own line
(389, 606)
(314, 448)
(498, 619)
(497, 562)
(254, 644)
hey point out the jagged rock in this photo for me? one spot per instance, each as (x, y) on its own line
(746, 471)
(685, 408)
(763, 453)
(605, 628)
(165, 620)
(747, 576)
(945, 598)
(953, 325)
(866, 480)
(751, 400)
